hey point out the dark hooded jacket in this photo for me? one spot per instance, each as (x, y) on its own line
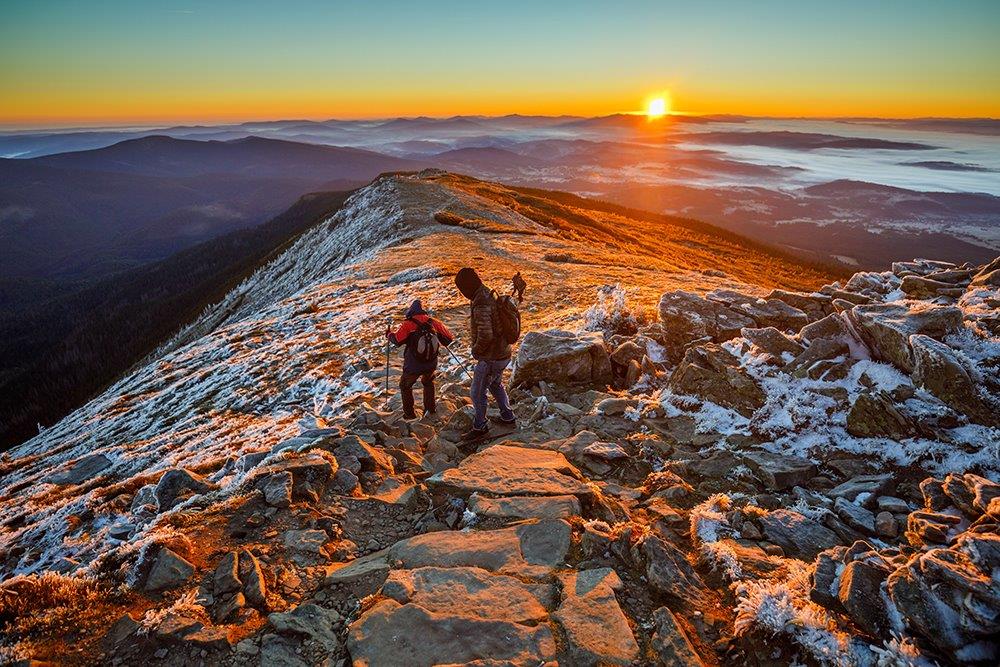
(487, 343)
(415, 317)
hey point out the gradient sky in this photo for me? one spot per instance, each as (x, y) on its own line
(186, 61)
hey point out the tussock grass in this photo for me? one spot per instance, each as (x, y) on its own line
(36, 610)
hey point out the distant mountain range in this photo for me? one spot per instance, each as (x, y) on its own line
(87, 214)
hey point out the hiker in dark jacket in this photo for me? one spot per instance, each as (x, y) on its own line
(417, 366)
(491, 352)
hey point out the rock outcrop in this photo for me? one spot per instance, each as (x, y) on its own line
(562, 357)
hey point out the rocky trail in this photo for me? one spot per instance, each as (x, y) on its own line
(717, 462)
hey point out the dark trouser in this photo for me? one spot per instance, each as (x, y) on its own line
(406, 382)
(488, 377)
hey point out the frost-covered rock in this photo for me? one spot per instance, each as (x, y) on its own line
(687, 317)
(670, 642)
(945, 373)
(765, 312)
(887, 328)
(562, 357)
(176, 483)
(874, 415)
(168, 570)
(780, 471)
(815, 305)
(713, 374)
(773, 342)
(83, 470)
(798, 535)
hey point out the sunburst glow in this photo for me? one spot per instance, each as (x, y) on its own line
(657, 107)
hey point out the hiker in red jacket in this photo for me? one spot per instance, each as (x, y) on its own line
(422, 335)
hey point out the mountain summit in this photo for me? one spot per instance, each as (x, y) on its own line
(722, 452)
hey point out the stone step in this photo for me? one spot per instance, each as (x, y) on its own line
(503, 470)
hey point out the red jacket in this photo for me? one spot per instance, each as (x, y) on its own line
(409, 326)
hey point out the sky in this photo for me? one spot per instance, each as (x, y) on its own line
(104, 62)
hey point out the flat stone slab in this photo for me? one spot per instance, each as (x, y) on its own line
(525, 507)
(470, 591)
(780, 471)
(393, 634)
(526, 550)
(597, 632)
(82, 470)
(503, 470)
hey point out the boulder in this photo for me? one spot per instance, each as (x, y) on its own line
(873, 415)
(919, 287)
(923, 528)
(885, 525)
(772, 341)
(988, 276)
(278, 651)
(277, 489)
(765, 312)
(855, 516)
(361, 577)
(309, 621)
(713, 374)
(948, 375)
(860, 595)
(831, 326)
(177, 482)
(814, 304)
(596, 630)
(82, 470)
(825, 579)
(952, 602)
(169, 570)
(870, 485)
(887, 327)
(502, 470)
(311, 471)
(920, 267)
(819, 350)
(799, 536)
(670, 642)
(669, 572)
(252, 576)
(562, 358)
(368, 458)
(227, 578)
(687, 318)
(628, 352)
(780, 471)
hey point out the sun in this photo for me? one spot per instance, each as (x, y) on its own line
(657, 107)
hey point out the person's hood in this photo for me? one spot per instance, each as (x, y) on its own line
(468, 282)
(416, 308)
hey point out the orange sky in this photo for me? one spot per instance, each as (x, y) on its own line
(113, 61)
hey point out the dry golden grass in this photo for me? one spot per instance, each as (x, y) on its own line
(56, 616)
(656, 241)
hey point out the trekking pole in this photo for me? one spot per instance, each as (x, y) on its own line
(459, 362)
(388, 325)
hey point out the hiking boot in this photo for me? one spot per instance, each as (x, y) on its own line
(504, 422)
(475, 433)
(409, 417)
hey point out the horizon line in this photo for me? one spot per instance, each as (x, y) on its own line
(83, 125)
